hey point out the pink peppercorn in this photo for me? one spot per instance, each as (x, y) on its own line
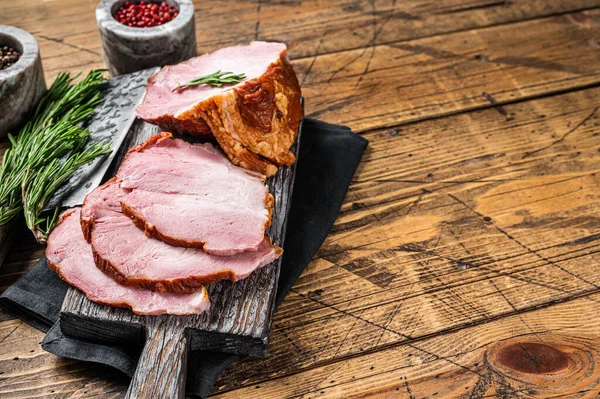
(144, 14)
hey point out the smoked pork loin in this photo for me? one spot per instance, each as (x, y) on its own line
(191, 195)
(255, 121)
(70, 256)
(123, 251)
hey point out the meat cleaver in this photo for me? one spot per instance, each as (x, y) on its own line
(110, 122)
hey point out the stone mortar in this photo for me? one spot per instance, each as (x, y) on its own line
(126, 49)
(22, 84)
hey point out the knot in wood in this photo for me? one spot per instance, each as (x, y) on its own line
(532, 358)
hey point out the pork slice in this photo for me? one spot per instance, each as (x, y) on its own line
(191, 195)
(70, 256)
(132, 258)
(255, 121)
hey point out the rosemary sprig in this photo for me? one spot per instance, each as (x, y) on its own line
(216, 79)
(52, 132)
(40, 184)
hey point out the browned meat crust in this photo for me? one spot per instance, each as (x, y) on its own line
(255, 123)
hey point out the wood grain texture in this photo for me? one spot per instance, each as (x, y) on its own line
(401, 82)
(28, 371)
(510, 259)
(409, 80)
(390, 285)
(308, 27)
(448, 223)
(553, 352)
(162, 366)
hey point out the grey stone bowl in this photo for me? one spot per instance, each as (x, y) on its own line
(22, 84)
(126, 49)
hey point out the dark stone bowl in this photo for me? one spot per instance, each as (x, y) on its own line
(126, 49)
(22, 84)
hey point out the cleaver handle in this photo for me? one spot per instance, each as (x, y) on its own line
(162, 367)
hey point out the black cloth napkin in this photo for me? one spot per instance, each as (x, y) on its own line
(329, 156)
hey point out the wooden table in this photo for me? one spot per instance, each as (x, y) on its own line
(465, 259)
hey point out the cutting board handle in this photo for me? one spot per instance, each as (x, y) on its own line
(162, 367)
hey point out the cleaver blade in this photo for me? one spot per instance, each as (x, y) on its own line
(110, 122)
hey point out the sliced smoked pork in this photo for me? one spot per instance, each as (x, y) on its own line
(191, 195)
(132, 258)
(255, 121)
(70, 256)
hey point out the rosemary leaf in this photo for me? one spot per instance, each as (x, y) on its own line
(41, 183)
(216, 79)
(53, 131)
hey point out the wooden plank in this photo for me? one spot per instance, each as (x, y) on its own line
(309, 27)
(460, 363)
(550, 352)
(449, 222)
(450, 73)
(401, 82)
(28, 371)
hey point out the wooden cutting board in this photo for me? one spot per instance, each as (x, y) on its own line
(238, 322)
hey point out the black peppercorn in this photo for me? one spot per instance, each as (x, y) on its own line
(8, 56)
